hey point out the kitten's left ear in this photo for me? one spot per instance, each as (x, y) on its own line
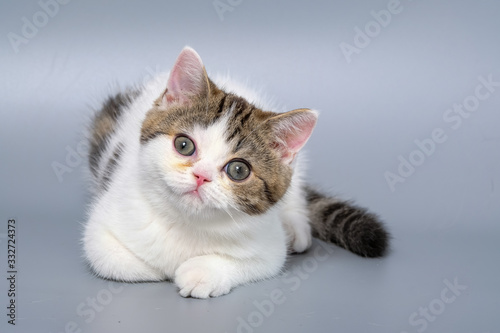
(187, 79)
(292, 130)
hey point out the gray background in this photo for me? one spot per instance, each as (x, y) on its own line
(444, 217)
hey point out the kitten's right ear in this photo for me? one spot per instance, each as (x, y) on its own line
(187, 79)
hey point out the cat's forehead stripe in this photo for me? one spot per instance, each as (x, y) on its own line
(238, 128)
(221, 104)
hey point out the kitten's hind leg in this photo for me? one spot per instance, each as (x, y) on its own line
(110, 259)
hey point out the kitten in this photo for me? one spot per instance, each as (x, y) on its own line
(195, 182)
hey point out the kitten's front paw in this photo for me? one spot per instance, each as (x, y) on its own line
(203, 277)
(302, 239)
(298, 233)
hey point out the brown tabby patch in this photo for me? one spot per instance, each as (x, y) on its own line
(104, 125)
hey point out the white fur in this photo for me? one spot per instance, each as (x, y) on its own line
(143, 228)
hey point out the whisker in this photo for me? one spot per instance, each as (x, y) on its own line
(228, 213)
(235, 208)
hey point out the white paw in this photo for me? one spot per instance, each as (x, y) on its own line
(203, 277)
(303, 238)
(298, 233)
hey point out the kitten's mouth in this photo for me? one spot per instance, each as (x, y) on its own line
(195, 194)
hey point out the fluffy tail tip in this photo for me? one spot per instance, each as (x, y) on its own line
(372, 238)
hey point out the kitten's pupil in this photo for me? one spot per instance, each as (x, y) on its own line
(237, 170)
(184, 145)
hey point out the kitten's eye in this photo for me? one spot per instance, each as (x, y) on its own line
(184, 145)
(237, 170)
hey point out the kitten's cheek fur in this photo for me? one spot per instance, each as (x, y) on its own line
(203, 277)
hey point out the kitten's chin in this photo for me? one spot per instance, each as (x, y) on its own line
(194, 196)
(195, 204)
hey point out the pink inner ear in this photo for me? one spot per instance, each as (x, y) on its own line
(297, 139)
(293, 129)
(187, 77)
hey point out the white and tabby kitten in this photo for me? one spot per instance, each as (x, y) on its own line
(200, 183)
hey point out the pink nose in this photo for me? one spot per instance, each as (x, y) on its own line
(200, 179)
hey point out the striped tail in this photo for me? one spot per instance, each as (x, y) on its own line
(346, 225)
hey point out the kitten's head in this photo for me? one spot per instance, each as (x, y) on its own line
(205, 150)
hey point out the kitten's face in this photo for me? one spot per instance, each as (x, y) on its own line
(205, 150)
(212, 159)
